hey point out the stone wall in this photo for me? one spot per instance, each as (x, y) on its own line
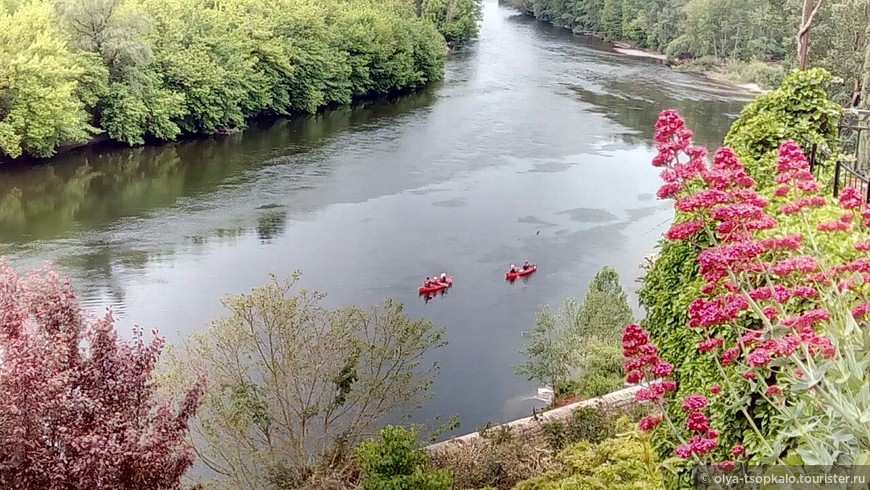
(529, 428)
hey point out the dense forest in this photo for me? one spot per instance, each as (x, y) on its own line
(711, 31)
(137, 70)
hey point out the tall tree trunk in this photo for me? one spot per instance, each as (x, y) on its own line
(803, 37)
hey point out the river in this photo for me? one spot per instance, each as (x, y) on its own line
(535, 146)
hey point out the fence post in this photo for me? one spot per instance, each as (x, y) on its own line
(837, 179)
(813, 158)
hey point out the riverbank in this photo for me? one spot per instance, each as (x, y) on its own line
(754, 77)
(742, 75)
(204, 74)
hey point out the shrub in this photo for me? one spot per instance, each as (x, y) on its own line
(798, 110)
(78, 407)
(501, 460)
(393, 462)
(576, 351)
(781, 308)
(673, 281)
(591, 424)
(624, 462)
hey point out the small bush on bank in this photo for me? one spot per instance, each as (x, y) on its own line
(393, 462)
(626, 461)
(500, 461)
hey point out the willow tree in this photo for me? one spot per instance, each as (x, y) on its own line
(294, 386)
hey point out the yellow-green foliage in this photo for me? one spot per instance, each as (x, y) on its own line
(153, 69)
(41, 104)
(624, 462)
(798, 110)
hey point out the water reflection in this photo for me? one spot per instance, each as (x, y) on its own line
(95, 187)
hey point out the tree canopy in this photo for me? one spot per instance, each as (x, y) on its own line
(141, 70)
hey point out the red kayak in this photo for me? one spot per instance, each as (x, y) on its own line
(510, 276)
(437, 287)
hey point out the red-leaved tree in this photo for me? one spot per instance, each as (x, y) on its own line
(77, 404)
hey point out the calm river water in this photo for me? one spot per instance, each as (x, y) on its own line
(536, 146)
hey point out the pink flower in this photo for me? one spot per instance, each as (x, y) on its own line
(725, 465)
(804, 292)
(790, 242)
(683, 451)
(861, 310)
(749, 375)
(835, 225)
(633, 377)
(850, 198)
(701, 445)
(705, 199)
(698, 422)
(710, 344)
(704, 313)
(649, 423)
(662, 369)
(770, 312)
(730, 355)
(807, 319)
(862, 246)
(692, 403)
(633, 337)
(738, 449)
(684, 230)
(645, 395)
(773, 390)
(795, 264)
(758, 357)
(786, 346)
(715, 389)
(668, 191)
(749, 337)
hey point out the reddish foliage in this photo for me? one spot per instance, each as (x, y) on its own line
(77, 404)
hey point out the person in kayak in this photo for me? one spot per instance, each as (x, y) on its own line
(513, 269)
(527, 266)
(443, 278)
(427, 283)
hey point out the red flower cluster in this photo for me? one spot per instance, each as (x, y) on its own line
(754, 277)
(694, 403)
(642, 363)
(649, 423)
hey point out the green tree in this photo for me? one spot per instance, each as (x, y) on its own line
(839, 44)
(605, 310)
(394, 462)
(40, 103)
(455, 19)
(294, 387)
(546, 352)
(581, 341)
(611, 18)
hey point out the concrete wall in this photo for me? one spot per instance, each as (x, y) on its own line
(529, 428)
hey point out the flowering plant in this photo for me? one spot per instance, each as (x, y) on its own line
(780, 311)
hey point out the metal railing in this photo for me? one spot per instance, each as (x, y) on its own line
(853, 170)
